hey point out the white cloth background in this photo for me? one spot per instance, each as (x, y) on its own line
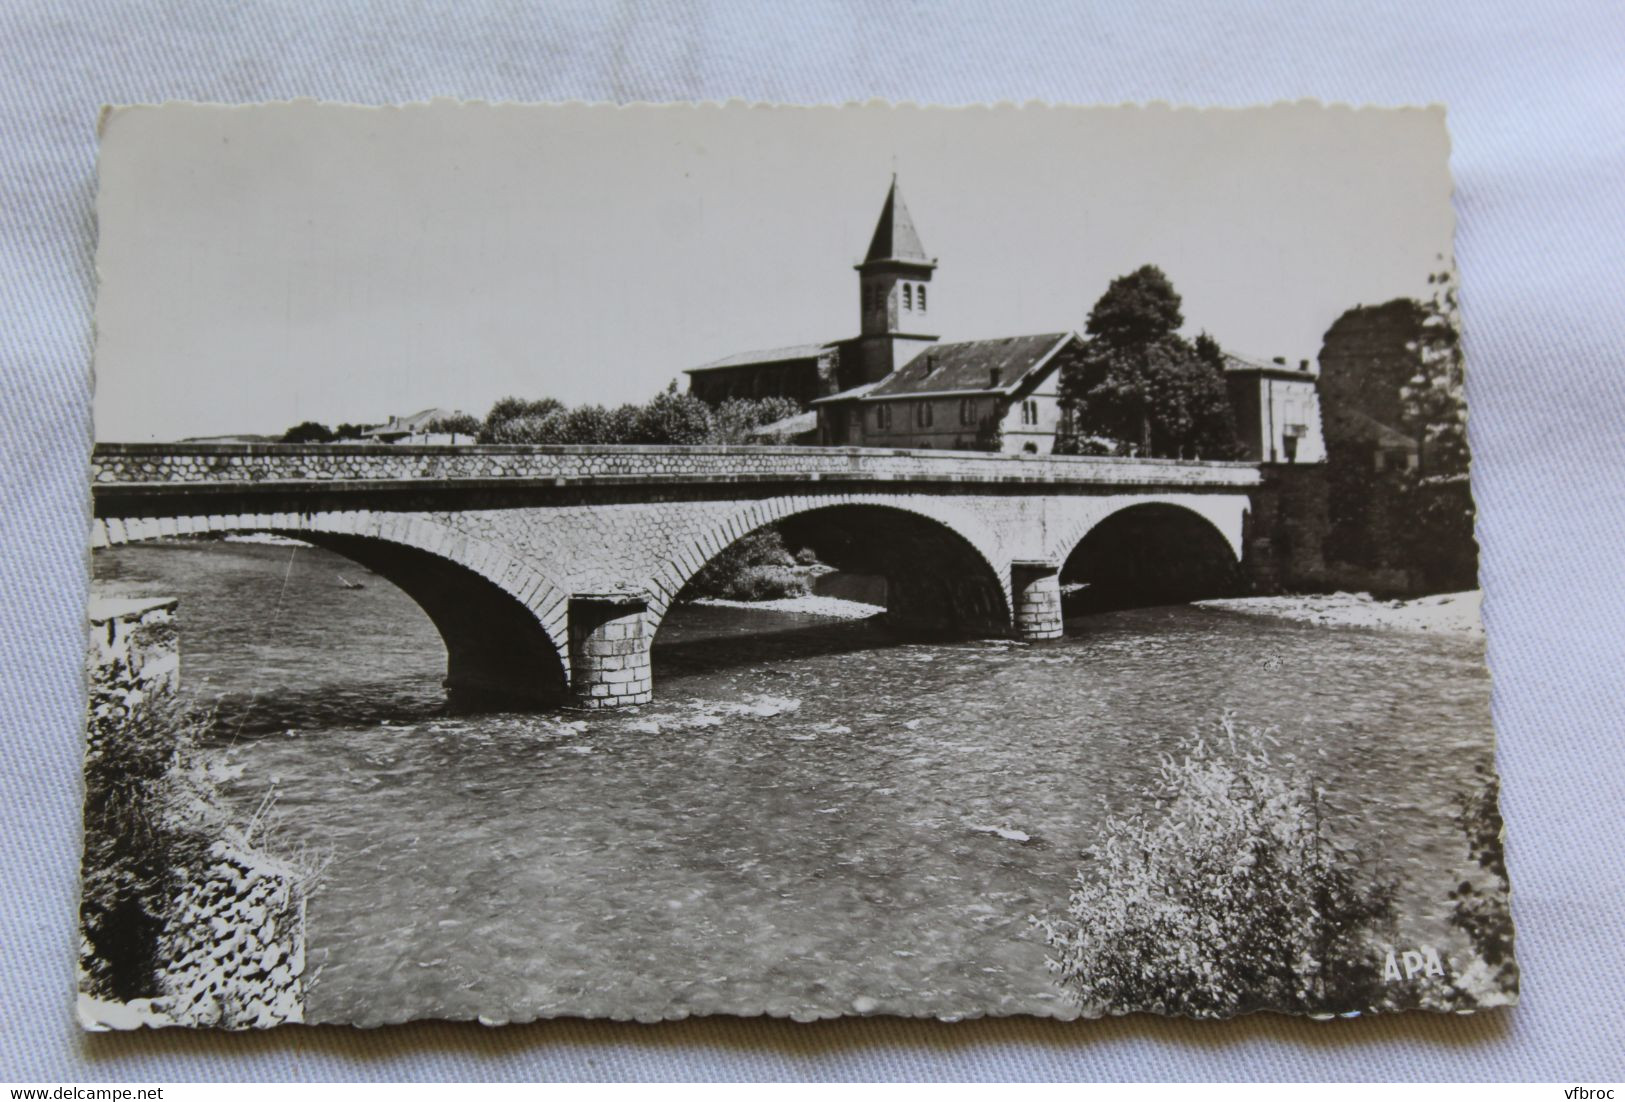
(1537, 109)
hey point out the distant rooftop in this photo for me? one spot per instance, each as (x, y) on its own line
(412, 423)
(854, 392)
(764, 356)
(797, 424)
(1237, 362)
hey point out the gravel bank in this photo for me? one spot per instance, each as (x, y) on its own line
(1454, 613)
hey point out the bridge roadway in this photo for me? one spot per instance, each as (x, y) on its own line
(548, 570)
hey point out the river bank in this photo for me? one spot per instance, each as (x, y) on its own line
(1446, 613)
(835, 608)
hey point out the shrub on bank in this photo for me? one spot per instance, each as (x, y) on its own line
(768, 583)
(756, 567)
(184, 917)
(1232, 894)
(133, 837)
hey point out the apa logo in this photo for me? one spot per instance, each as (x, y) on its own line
(1422, 961)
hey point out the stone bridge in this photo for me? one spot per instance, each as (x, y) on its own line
(548, 570)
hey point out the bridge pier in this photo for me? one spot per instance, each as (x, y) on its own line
(609, 649)
(1035, 585)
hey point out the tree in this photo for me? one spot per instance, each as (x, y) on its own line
(586, 425)
(458, 424)
(1434, 401)
(308, 432)
(673, 418)
(621, 426)
(348, 430)
(1142, 386)
(1137, 309)
(502, 423)
(735, 419)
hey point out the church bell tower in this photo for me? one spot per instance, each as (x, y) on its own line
(894, 283)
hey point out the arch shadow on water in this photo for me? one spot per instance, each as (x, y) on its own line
(938, 586)
(498, 656)
(1146, 555)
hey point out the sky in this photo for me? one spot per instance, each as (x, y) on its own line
(262, 266)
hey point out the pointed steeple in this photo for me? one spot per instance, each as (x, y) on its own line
(895, 297)
(895, 237)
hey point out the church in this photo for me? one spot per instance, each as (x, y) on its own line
(896, 385)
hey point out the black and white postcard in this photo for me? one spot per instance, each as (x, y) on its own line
(641, 562)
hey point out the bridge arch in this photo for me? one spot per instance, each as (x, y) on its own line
(502, 620)
(1151, 552)
(944, 568)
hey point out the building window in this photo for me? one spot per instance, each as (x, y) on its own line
(922, 415)
(883, 416)
(967, 411)
(1029, 412)
(908, 296)
(921, 297)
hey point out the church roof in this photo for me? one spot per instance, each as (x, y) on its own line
(1000, 364)
(895, 236)
(764, 356)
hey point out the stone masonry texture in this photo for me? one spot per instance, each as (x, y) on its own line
(544, 525)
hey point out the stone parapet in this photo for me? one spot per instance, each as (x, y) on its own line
(330, 467)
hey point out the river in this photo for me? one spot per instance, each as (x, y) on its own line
(811, 818)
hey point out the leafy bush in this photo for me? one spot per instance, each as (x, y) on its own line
(134, 836)
(523, 429)
(308, 432)
(768, 583)
(513, 420)
(673, 418)
(593, 424)
(1231, 895)
(735, 419)
(668, 418)
(152, 818)
(460, 424)
(755, 567)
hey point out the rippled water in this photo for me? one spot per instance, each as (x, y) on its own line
(805, 821)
